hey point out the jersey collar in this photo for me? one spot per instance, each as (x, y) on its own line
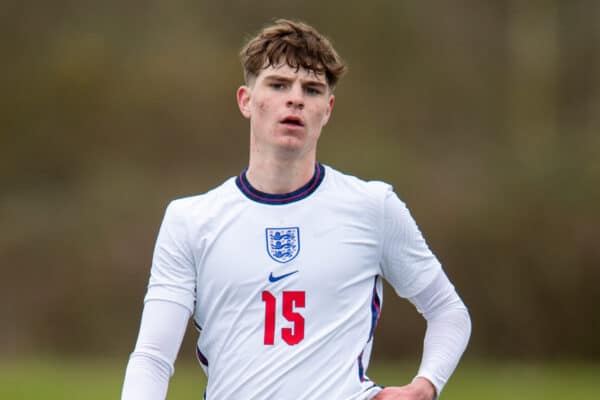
(278, 199)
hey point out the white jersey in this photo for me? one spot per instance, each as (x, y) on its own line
(286, 289)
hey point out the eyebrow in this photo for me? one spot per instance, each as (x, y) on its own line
(306, 82)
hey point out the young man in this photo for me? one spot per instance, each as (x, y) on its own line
(281, 267)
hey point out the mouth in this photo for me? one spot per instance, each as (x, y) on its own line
(292, 121)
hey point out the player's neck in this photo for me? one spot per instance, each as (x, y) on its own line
(276, 176)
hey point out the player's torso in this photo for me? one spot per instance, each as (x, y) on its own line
(284, 295)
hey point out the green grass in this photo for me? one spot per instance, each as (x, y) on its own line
(510, 381)
(63, 379)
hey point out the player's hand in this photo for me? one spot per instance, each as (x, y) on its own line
(419, 389)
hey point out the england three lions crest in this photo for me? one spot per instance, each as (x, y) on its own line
(283, 244)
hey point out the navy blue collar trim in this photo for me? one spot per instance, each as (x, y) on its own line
(277, 199)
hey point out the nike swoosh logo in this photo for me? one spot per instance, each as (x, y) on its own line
(273, 278)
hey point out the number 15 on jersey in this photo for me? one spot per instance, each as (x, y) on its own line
(290, 300)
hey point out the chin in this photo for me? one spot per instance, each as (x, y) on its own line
(291, 141)
(291, 146)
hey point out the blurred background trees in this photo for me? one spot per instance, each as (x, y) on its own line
(485, 116)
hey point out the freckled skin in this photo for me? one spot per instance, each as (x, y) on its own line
(266, 105)
(283, 152)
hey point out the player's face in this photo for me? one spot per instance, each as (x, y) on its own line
(287, 109)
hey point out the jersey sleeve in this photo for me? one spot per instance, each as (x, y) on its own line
(407, 263)
(173, 273)
(448, 330)
(151, 364)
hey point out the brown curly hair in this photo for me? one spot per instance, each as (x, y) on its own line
(298, 44)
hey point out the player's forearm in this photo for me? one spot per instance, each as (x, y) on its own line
(445, 341)
(448, 331)
(152, 362)
(145, 378)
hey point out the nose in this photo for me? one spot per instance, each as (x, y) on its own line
(296, 98)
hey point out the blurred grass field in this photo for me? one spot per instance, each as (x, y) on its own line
(93, 379)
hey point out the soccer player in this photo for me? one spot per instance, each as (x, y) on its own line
(281, 267)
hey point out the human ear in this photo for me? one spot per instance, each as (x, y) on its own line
(243, 100)
(330, 104)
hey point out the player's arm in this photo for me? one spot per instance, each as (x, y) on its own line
(448, 330)
(415, 273)
(447, 335)
(168, 304)
(151, 364)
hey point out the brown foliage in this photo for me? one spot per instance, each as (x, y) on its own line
(484, 116)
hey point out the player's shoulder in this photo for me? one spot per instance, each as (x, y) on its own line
(190, 206)
(354, 186)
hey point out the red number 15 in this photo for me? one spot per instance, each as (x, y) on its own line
(290, 299)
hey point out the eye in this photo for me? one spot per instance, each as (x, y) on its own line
(277, 86)
(313, 91)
